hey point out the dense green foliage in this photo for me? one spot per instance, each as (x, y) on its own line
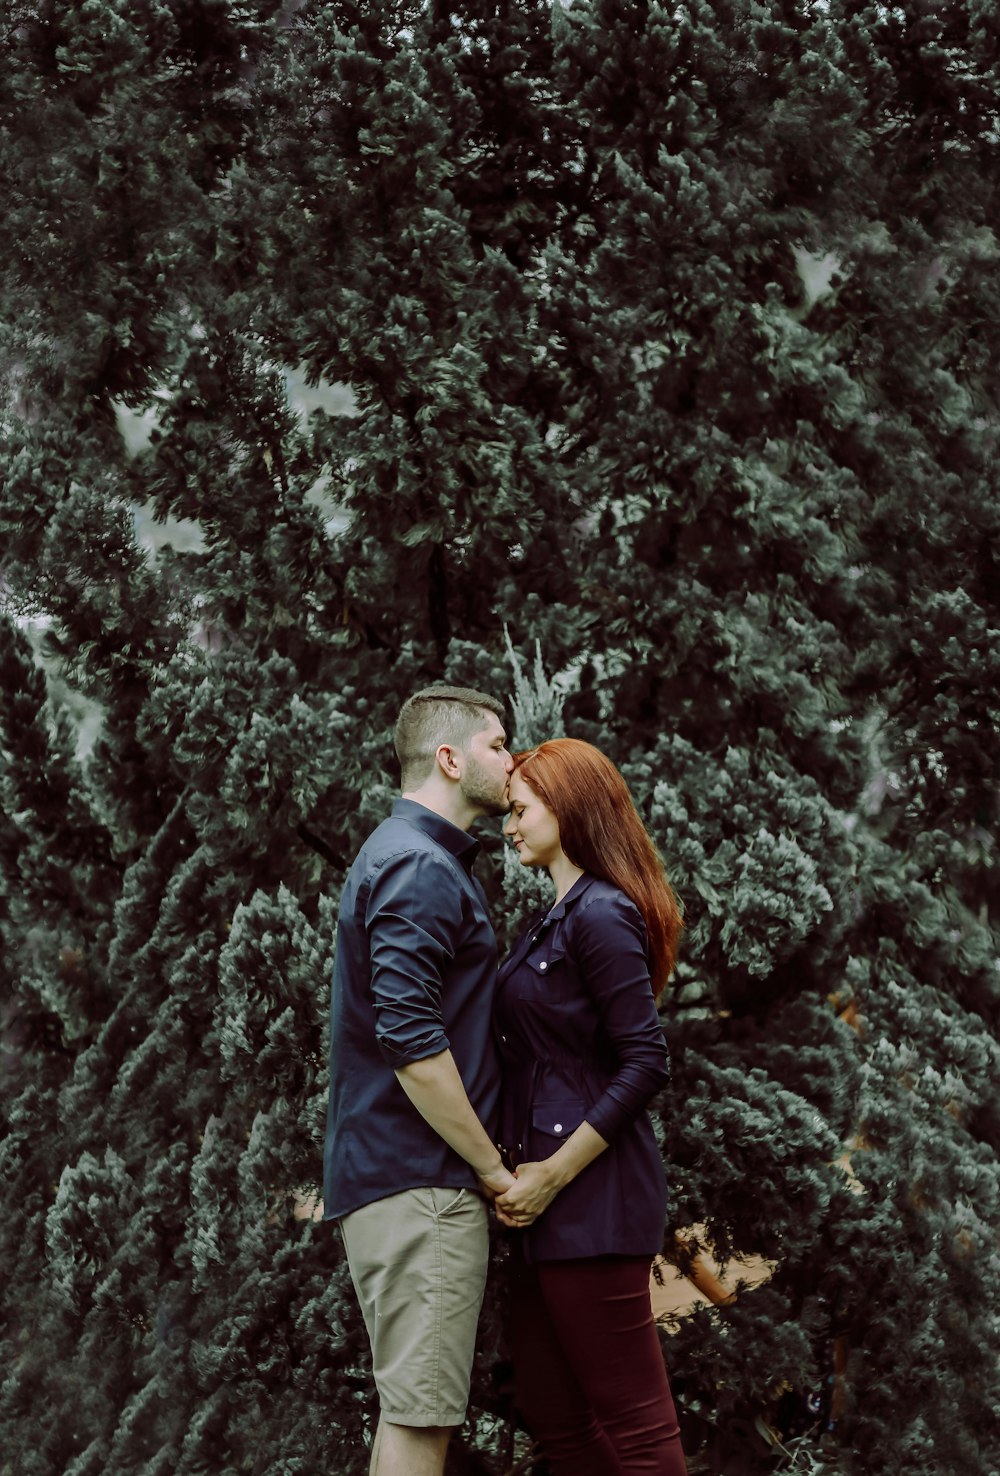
(335, 340)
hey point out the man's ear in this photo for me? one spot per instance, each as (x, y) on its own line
(449, 761)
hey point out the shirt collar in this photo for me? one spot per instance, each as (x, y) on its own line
(454, 839)
(574, 894)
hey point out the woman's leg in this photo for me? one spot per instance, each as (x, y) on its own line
(602, 1318)
(546, 1390)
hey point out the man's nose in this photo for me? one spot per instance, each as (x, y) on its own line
(508, 762)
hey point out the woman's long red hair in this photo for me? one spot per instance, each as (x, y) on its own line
(600, 831)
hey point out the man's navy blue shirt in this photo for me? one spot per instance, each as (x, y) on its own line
(414, 974)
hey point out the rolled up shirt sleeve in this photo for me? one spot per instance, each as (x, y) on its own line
(609, 943)
(412, 916)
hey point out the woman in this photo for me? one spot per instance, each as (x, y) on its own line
(582, 1053)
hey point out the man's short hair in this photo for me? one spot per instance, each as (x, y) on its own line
(434, 716)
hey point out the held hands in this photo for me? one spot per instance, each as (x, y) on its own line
(497, 1181)
(535, 1187)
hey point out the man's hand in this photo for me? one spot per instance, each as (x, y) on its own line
(536, 1186)
(496, 1181)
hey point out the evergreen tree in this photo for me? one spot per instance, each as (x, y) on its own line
(641, 361)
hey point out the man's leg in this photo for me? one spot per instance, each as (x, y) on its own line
(418, 1262)
(408, 1450)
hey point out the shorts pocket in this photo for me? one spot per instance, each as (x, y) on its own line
(450, 1201)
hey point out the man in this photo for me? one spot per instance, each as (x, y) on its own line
(414, 1080)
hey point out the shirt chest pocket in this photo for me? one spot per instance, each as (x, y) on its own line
(548, 976)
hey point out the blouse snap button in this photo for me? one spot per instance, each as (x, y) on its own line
(543, 965)
(558, 1127)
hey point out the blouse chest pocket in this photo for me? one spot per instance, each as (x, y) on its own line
(548, 974)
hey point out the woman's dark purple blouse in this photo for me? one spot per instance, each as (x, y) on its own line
(580, 1040)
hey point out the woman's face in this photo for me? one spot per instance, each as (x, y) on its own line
(532, 825)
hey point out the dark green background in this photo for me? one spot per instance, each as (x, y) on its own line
(335, 341)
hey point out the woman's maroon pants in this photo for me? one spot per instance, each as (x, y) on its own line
(589, 1377)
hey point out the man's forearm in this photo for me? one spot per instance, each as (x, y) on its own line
(435, 1088)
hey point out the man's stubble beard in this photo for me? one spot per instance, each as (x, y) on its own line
(482, 791)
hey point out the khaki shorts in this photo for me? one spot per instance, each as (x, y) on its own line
(418, 1262)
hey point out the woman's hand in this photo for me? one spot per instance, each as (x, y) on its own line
(535, 1187)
